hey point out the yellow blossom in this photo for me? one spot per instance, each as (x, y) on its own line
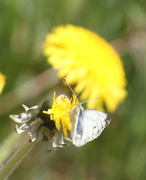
(88, 61)
(2, 82)
(60, 112)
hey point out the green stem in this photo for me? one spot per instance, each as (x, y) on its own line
(15, 159)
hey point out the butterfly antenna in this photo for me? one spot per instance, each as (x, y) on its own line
(89, 100)
(70, 88)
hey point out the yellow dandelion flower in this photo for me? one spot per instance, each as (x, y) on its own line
(2, 82)
(89, 61)
(60, 112)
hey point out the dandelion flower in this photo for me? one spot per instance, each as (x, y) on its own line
(90, 63)
(2, 82)
(60, 112)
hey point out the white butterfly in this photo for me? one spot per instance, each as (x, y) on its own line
(86, 124)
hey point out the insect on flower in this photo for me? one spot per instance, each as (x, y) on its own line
(66, 115)
(86, 124)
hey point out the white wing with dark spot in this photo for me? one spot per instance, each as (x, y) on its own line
(89, 125)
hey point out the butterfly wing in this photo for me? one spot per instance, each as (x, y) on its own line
(89, 125)
(73, 115)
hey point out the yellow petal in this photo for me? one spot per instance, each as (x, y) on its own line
(57, 123)
(80, 86)
(85, 94)
(62, 73)
(65, 121)
(2, 82)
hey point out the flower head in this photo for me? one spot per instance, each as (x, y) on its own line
(2, 82)
(87, 60)
(60, 112)
(38, 125)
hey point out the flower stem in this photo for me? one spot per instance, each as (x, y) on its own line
(11, 164)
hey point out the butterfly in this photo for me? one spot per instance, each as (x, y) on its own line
(86, 124)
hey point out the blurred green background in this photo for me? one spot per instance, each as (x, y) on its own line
(120, 152)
